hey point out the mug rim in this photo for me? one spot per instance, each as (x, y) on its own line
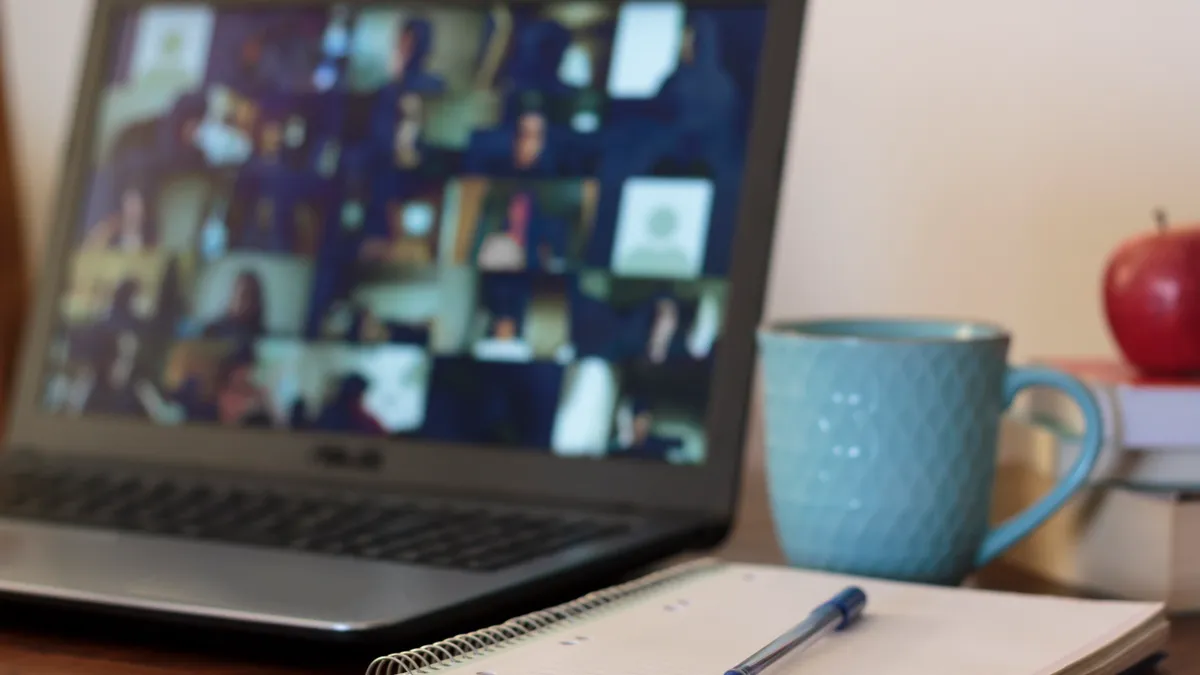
(985, 331)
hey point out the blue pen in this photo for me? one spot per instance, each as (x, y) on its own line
(835, 615)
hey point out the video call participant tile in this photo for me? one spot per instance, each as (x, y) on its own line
(660, 414)
(543, 68)
(556, 53)
(401, 135)
(247, 296)
(609, 410)
(403, 235)
(646, 320)
(429, 52)
(663, 228)
(518, 226)
(267, 209)
(375, 390)
(118, 290)
(100, 372)
(413, 103)
(401, 226)
(521, 318)
(532, 144)
(512, 404)
(210, 127)
(583, 425)
(122, 213)
(427, 307)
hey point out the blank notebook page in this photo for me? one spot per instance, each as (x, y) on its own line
(709, 622)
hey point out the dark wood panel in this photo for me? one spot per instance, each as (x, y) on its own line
(14, 273)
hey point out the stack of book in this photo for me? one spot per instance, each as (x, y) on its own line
(1135, 532)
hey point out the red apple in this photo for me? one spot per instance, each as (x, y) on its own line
(1152, 300)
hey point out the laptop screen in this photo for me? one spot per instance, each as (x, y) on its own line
(507, 226)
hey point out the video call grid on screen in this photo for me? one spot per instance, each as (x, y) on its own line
(506, 226)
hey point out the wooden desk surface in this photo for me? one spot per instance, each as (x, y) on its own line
(49, 649)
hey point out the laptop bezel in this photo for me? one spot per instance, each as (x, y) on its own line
(710, 487)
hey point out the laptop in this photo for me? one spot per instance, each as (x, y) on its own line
(373, 317)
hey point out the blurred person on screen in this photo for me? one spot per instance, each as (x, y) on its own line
(244, 319)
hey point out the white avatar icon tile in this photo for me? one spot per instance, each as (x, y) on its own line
(662, 228)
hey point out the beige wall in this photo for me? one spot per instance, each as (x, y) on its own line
(951, 157)
(43, 44)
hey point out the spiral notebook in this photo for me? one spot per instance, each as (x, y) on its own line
(706, 616)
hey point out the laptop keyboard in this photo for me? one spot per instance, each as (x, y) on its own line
(429, 534)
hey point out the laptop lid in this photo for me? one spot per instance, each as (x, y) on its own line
(518, 247)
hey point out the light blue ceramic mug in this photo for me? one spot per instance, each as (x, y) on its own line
(881, 440)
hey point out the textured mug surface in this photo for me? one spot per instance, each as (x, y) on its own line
(881, 442)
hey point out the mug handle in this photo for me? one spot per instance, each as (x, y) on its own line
(1004, 535)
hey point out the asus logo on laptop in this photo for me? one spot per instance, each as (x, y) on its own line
(336, 457)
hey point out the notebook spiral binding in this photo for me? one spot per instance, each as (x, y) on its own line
(462, 648)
